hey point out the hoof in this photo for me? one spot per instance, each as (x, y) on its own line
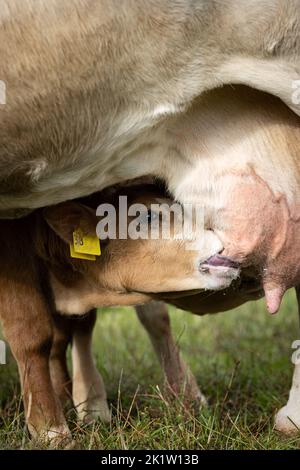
(95, 410)
(287, 421)
(54, 438)
(191, 396)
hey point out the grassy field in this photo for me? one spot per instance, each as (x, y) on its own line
(241, 360)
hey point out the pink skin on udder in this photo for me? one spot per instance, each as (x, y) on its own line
(262, 231)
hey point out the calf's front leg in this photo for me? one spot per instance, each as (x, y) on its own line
(62, 337)
(179, 379)
(89, 395)
(27, 325)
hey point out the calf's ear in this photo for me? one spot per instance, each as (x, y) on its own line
(67, 217)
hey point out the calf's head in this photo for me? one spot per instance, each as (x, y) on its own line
(134, 263)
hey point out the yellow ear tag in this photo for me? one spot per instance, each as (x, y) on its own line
(81, 255)
(85, 246)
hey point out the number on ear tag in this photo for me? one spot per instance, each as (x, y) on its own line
(86, 244)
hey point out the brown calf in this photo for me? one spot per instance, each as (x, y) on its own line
(39, 279)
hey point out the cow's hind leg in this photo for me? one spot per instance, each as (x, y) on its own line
(276, 76)
(287, 419)
(89, 395)
(179, 379)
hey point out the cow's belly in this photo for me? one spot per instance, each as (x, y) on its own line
(134, 153)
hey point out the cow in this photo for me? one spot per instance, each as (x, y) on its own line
(87, 85)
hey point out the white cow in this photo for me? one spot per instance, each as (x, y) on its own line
(88, 83)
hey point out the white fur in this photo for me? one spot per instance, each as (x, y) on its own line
(89, 395)
(166, 76)
(287, 419)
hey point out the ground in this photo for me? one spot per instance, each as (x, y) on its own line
(242, 360)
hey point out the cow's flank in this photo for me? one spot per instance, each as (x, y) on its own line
(89, 84)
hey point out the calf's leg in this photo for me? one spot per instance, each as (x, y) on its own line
(27, 325)
(62, 336)
(287, 420)
(179, 379)
(89, 395)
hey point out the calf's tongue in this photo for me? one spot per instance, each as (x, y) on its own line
(274, 294)
(222, 261)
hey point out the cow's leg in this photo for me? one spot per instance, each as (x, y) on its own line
(27, 325)
(287, 419)
(179, 379)
(275, 76)
(89, 395)
(62, 336)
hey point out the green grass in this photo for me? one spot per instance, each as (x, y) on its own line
(242, 361)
